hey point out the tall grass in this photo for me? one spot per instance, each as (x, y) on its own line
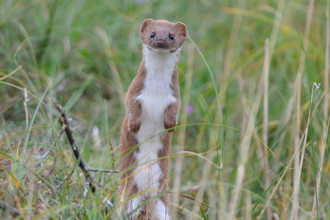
(253, 136)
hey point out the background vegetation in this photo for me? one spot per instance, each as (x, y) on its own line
(253, 139)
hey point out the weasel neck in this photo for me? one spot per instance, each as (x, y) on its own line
(160, 60)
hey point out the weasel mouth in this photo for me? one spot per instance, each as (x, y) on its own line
(159, 49)
(166, 49)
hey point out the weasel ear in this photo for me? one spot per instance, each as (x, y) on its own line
(182, 29)
(145, 24)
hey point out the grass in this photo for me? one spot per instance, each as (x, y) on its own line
(253, 145)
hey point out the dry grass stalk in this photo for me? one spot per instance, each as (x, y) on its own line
(203, 184)
(232, 47)
(314, 88)
(244, 155)
(182, 130)
(114, 70)
(14, 71)
(276, 26)
(269, 50)
(325, 112)
(224, 82)
(265, 122)
(26, 99)
(297, 140)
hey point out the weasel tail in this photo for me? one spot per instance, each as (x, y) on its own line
(152, 107)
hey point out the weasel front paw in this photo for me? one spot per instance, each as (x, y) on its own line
(134, 126)
(169, 124)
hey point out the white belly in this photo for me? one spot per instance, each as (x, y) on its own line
(156, 96)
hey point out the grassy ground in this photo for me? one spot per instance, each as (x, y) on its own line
(253, 139)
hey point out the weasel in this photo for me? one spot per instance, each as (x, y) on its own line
(152, 107)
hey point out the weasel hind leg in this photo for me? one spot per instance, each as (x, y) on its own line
(155, 210)
(132, 210)
(159, 211)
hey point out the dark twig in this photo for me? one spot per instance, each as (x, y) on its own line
(103, 170)
(81, 163)
(66, 127)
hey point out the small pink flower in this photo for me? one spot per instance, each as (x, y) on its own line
(189, 109)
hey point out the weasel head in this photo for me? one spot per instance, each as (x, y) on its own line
(163, 36)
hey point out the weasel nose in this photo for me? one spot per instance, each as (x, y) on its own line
(160, 43)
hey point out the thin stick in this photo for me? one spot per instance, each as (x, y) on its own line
(81, 163)
(102, 170)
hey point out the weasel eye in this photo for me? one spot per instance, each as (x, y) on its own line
(171, 36)
(153, 34)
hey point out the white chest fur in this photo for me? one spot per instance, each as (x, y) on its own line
(155, 98)
(157, 93)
